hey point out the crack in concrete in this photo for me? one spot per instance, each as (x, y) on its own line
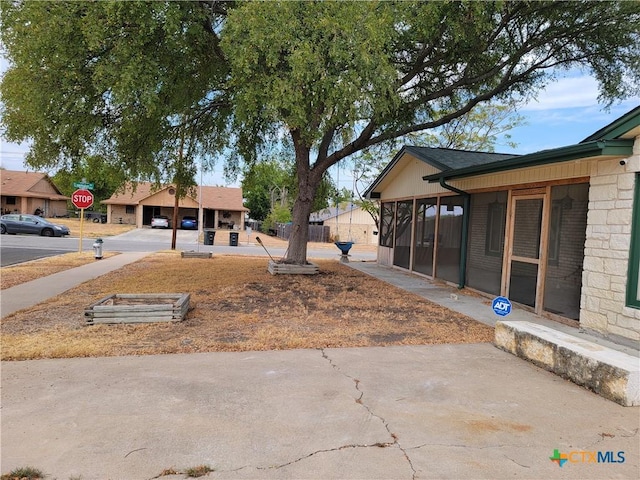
(606, 435)
(327, 450)
(519, 464)
(470, 447)
(386, 425)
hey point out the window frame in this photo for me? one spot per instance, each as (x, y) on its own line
(496, 223)
(633, 274)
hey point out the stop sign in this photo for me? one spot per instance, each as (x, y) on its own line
(82, 198)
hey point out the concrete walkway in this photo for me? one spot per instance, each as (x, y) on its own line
(31, 293)
(474, 306)
(410, 412)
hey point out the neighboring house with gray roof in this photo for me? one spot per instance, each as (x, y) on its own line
(347, 223)
(31, 192)
(556, 231)
(222, 207)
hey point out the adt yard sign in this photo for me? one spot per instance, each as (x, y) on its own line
(82, 199)
(501, 306)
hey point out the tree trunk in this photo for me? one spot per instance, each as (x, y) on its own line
(308, 181)
(297, 251)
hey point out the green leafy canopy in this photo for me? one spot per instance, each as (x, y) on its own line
(137, 82)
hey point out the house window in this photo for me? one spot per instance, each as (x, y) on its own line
(386, 225)
(130, 209)
(633, 285)
(554, 232)
(11, 200)
(496, 215)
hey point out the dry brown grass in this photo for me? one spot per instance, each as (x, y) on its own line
(13, 275)
(237, 306)
(90, 229)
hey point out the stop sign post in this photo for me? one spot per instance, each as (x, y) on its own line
(81, 199)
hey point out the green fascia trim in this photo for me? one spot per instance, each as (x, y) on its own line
(618, 127)
(622, 148)
(633, 276)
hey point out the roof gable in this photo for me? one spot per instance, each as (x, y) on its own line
(29, 184)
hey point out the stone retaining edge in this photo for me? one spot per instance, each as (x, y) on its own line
(609, 373)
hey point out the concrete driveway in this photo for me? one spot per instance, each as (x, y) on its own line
(442, 411)
(153, 235)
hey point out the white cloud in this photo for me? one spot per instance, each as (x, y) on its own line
(567, 92)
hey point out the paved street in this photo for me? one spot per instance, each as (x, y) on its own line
(152, 240)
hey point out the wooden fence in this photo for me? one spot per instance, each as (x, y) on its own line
(317, 233)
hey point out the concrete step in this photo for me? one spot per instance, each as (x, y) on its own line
(610, 373)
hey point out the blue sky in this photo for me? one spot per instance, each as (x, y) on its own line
(565, 113)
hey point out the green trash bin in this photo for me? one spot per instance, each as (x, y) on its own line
(233, 239)
(209, 235)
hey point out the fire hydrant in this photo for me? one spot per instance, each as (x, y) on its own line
(97, 249)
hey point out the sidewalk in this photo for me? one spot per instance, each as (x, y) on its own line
(474, 306)
(36, 291)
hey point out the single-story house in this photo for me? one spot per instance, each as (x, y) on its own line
(222, 207)
(31, 193)
(347, 223)
(556, 231)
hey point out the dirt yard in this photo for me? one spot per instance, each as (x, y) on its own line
(236, 306)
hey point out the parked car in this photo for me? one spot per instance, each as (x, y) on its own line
(189, 223)
(160, 221)
(16, 223)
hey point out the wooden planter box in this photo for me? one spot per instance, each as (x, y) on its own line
(193, 254)
(138, 308)
(277, 268)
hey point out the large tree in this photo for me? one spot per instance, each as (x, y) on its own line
(335, 77)
(341, 77)
(138, 84)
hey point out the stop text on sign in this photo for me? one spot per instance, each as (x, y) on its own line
(82, 198)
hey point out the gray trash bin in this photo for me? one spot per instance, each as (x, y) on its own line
(233, 239)
(209, 236)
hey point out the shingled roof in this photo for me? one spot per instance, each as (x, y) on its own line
(217, 198)
(449, 158)
(444, 159)
(24, 184)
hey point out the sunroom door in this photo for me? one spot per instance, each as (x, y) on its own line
(524, 271)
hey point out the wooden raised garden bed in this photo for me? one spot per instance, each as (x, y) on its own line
(138, 308)
(281, 268)
(192, 254)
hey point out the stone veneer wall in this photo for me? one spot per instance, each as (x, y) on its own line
(607, 245)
